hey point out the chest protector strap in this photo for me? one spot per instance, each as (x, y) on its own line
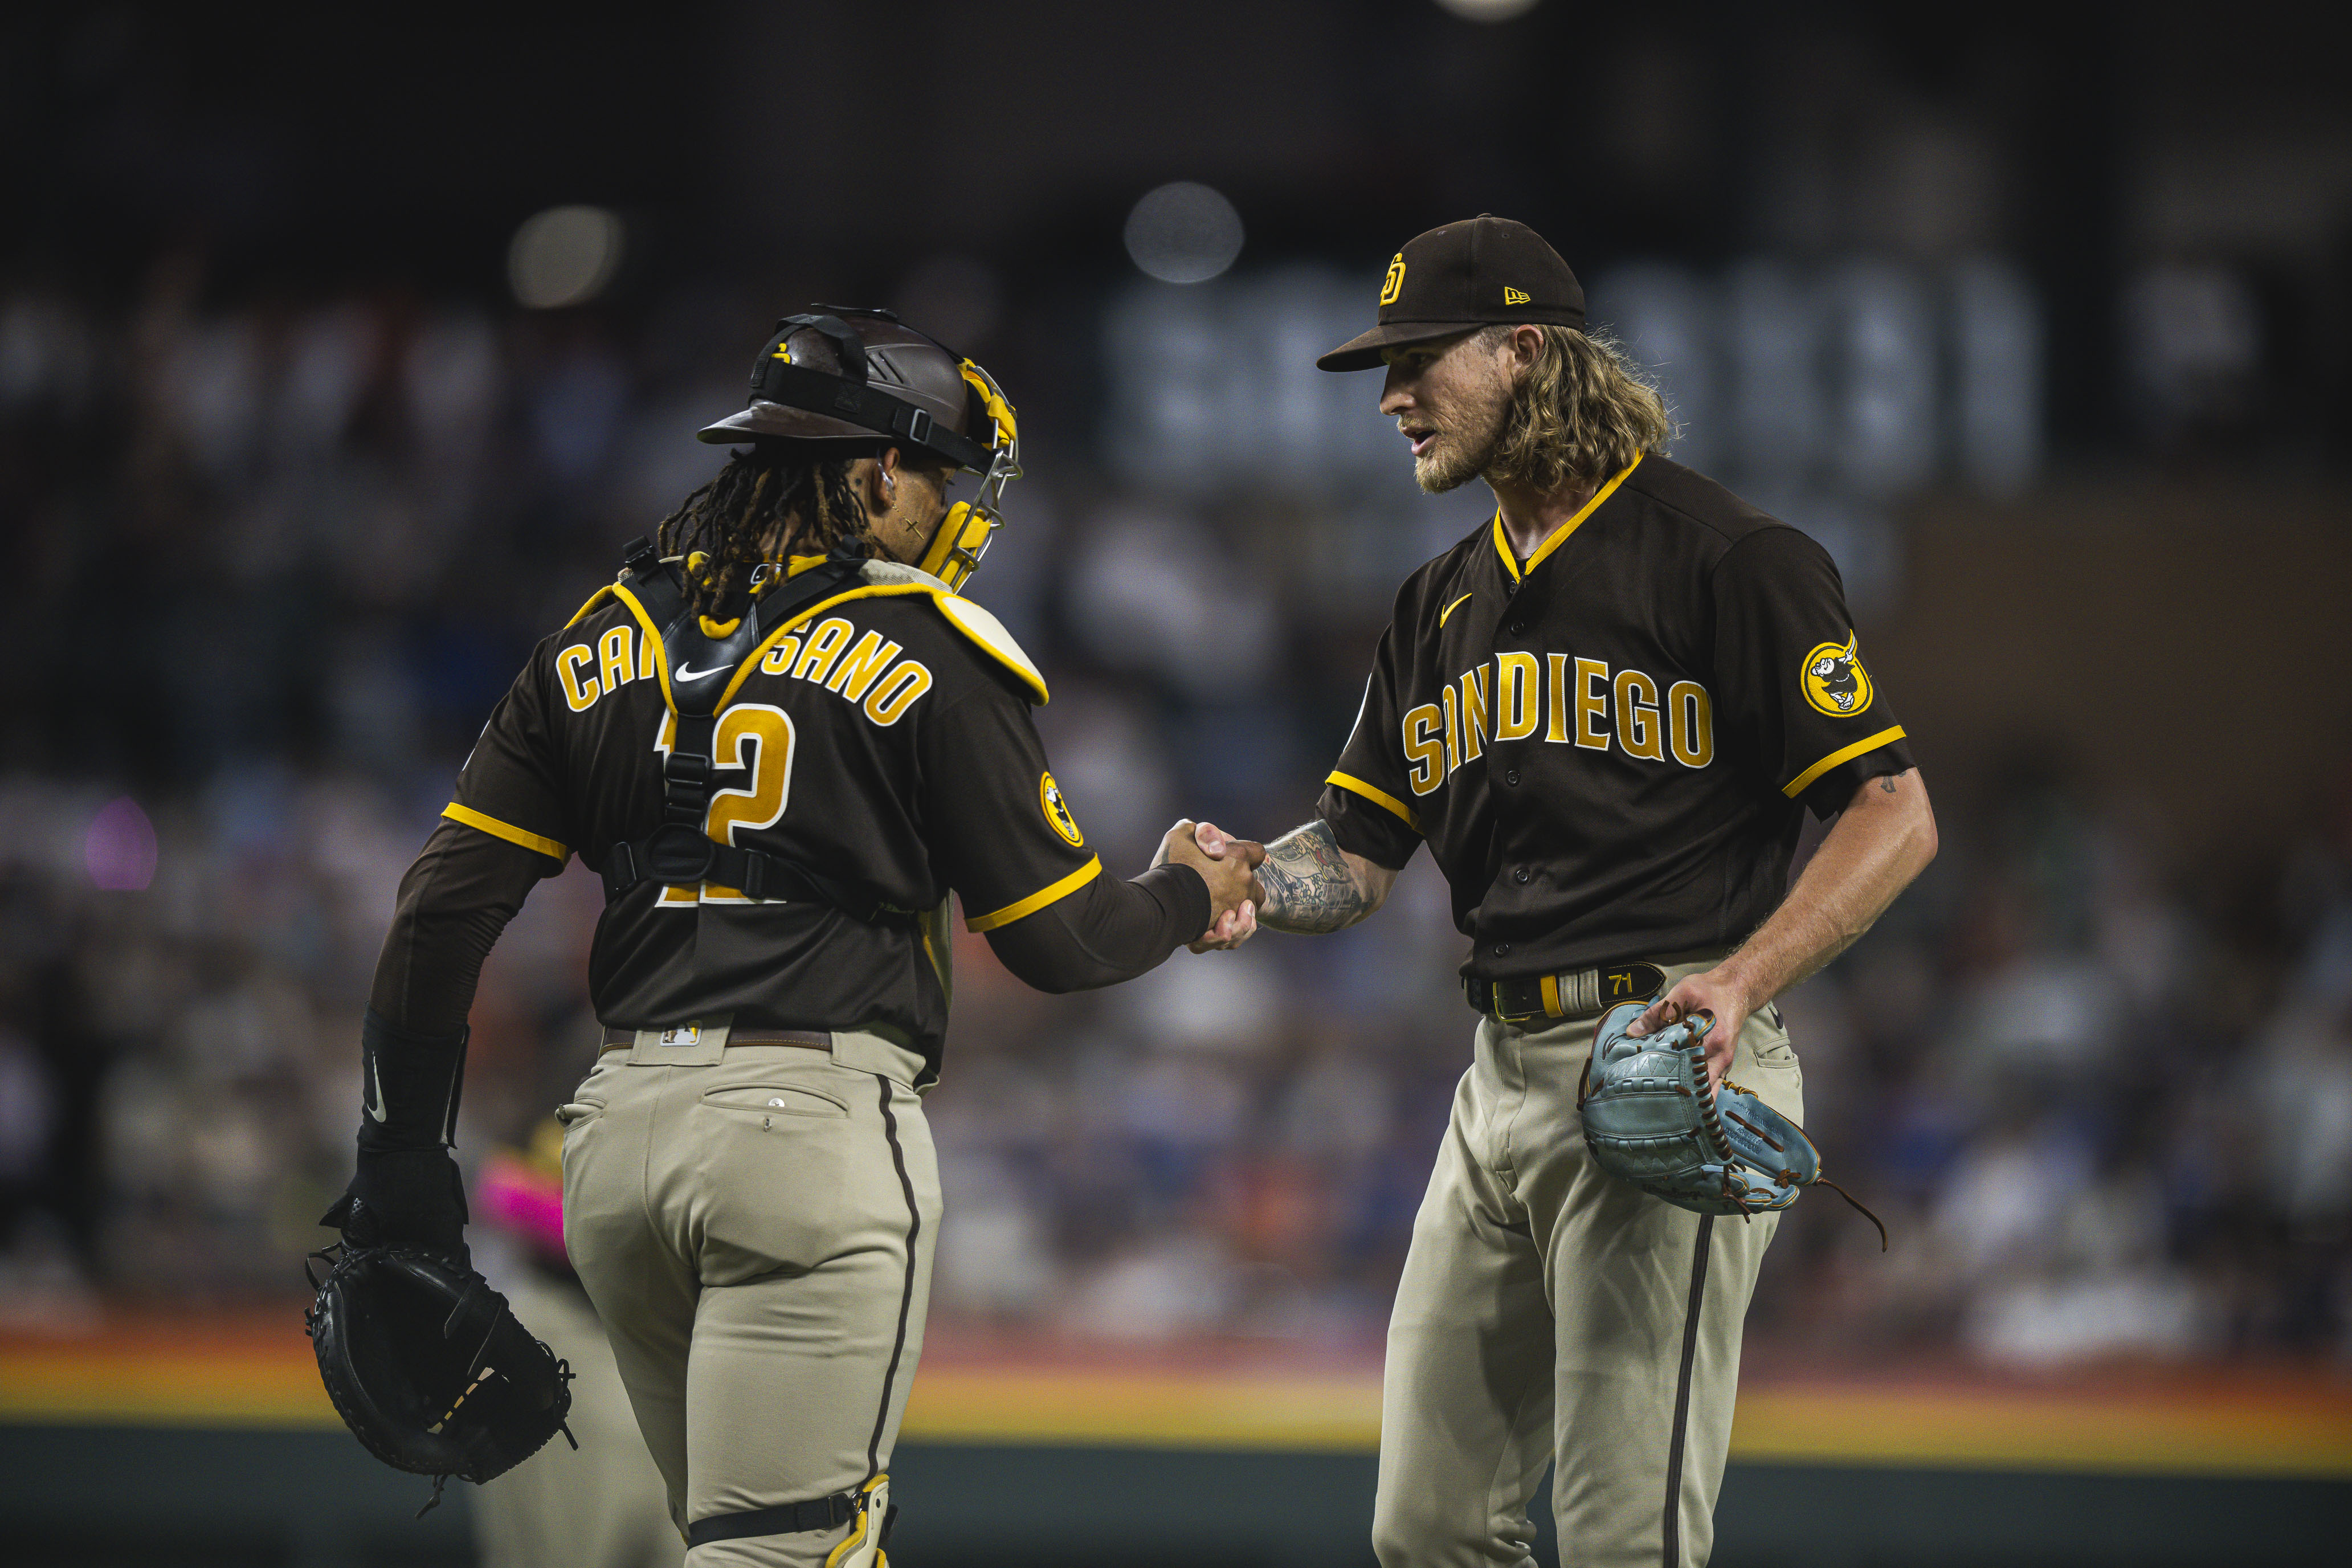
(681, 853)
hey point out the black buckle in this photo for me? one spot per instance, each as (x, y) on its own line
(1493, 997)
(686, 785)
(753, 883)
(680, 856)
(1502, 1005)
(620, 872)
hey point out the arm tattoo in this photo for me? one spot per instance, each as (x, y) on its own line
(1308, 887)
(1887, 782)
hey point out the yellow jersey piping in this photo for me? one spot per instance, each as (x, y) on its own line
(594, 599)
(1796, 787)
(646, 621)
(1029, 677)
(1377, 796)
(506, 830)
(1452, 607)
(932, 953)
(1559, 535)
(1038, 899)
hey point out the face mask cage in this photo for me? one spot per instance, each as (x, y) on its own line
(969, 528)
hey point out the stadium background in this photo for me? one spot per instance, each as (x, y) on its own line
(2040, 318)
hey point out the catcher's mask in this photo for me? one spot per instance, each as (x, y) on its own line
(838, 374)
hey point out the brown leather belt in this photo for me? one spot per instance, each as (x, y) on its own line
(622, 1039)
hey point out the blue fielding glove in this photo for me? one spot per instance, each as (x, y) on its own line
(1649, 1120)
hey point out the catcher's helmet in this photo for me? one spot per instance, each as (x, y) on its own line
(842, 374)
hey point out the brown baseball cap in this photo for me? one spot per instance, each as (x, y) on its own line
(1464, 275)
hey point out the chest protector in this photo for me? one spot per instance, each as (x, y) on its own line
(700, 658)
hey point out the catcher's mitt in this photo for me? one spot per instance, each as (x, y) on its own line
(429, 1369)
(1649, 1120)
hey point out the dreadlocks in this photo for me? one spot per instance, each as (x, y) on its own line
(774, 499)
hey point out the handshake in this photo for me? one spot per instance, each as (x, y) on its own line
(1229, 866)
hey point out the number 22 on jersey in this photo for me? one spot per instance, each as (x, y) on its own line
(754, 740)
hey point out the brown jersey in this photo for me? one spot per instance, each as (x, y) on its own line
(883, 733)
(1608, 747)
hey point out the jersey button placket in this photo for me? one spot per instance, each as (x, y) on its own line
(1510, 775)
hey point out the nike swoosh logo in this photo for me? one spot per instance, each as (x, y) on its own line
(375, 1107)
(687, 672)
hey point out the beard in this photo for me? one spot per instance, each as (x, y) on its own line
(1458, 456)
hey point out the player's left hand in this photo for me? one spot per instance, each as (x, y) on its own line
(1714, 994)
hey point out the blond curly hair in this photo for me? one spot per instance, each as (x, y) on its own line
(1581, 412)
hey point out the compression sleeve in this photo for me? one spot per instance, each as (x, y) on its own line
(454, 903)
(1108, 930)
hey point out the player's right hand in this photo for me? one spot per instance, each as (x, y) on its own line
(1229, 866)
(405, 1197)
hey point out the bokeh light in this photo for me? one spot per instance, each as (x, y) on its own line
(1183, 233)
(119, 847)
(1487, 10)
(564, 256)
(956, 298)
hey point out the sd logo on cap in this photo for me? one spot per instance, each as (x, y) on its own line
(1462, 276)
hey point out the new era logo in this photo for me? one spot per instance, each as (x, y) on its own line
(1515, 296)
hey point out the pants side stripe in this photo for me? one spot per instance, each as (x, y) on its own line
(1671, 1555)
(906, 1291)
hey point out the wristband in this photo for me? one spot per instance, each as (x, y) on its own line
(409, 1085)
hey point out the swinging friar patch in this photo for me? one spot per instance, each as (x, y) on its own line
(1057, 810)
(1835, 681)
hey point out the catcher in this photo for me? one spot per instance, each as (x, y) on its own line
(781, 737)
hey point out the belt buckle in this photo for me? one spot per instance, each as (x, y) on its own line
(1516, 1019)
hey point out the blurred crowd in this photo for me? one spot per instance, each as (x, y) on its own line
(272, 563)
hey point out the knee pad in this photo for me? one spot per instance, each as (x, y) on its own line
(870, 1529)
(867, 1511)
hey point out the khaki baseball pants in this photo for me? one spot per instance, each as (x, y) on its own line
(755, 1225)
(1549, 1311)
(603, 1506)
